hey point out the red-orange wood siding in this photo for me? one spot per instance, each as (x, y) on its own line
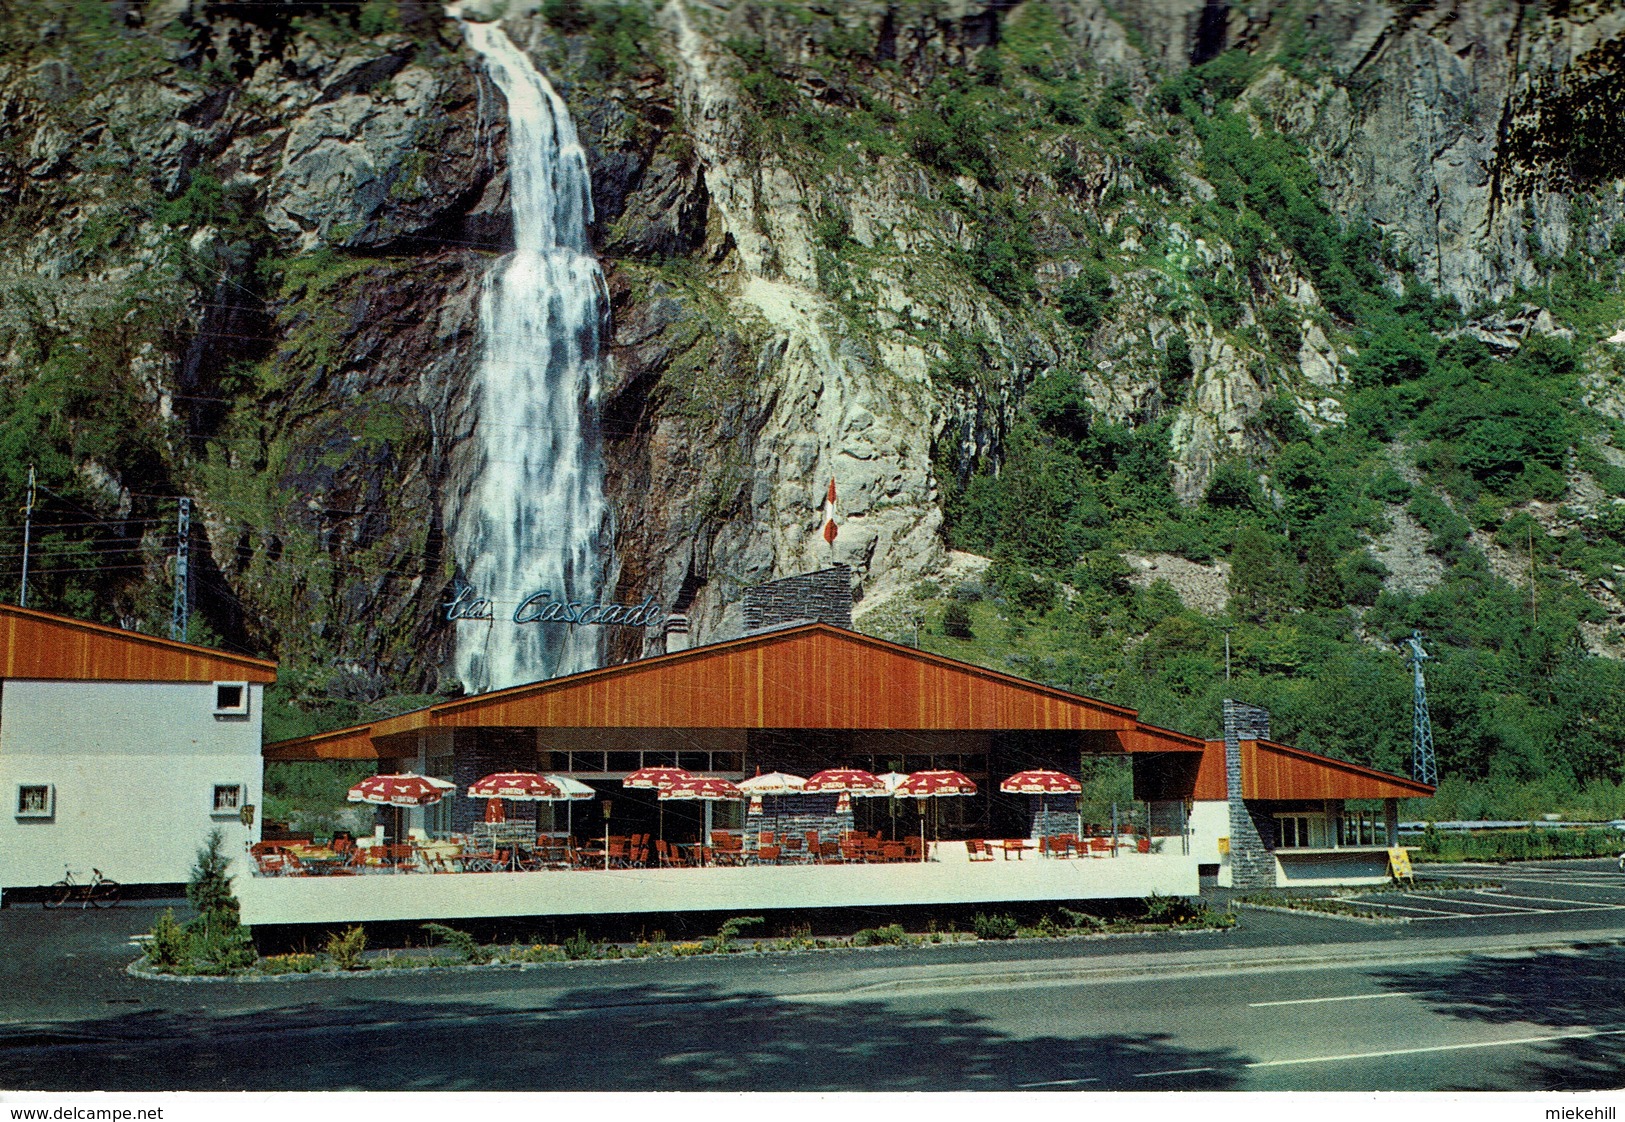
(343, 744)
(1275, 771)
(1210, 781)
(809, 677)
(41, 645)
(813, 677)
(1149, 738)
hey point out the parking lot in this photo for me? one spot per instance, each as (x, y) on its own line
(1536, 888)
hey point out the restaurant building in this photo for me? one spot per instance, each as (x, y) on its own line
(120, 751)
(801, 696)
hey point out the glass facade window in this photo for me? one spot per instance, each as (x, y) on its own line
(1300, 831)
(1362, 828)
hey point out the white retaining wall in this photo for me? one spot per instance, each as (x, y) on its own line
(952, 879)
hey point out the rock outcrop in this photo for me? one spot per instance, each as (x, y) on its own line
(828, 257)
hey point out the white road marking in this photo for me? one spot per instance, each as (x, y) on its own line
(1407, 908)
(1317, 1000)
(1590, 884)
(1181, 1071)
(1586, 1035)
(1492, 902)
(1055, 1083)
(1583, 905)
(1527, 912)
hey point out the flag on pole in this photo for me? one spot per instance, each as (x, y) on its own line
(829, 514)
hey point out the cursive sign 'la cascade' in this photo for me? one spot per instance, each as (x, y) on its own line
(542, 607)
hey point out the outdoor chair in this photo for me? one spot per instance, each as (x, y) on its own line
(891, 852)
(476, 860)
(767, 855)
(978, 850)
(913, 848)
(871, 850)
(620, 853)
(1100, 847)
(851, 851)
(730, 849)
(271, 864)
(829, 852)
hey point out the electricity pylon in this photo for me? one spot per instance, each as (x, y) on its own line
(1422, 766)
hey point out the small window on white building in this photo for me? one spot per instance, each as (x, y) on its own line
(36, 800)
(228, 799)
(231, 699)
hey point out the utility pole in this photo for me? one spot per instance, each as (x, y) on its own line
(1422, 765)
(1534, 608)
(28, 527)
(181, 607)
(1227, 632)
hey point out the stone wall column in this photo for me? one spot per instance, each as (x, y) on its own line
(1252, 865)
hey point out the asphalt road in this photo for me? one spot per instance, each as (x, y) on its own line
(1469, 1002)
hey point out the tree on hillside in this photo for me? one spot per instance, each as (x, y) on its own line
(1322, 587)
(1263, 576)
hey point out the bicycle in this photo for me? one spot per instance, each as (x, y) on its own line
(100, 891)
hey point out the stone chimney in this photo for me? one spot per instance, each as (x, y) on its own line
(676, 629)
(824, 596)
(1252, 865)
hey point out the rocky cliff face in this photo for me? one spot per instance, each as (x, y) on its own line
(243, 244)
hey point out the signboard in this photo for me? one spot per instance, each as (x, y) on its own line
(543, 607)
(1399, 864)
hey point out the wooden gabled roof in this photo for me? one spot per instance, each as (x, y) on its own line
(813, 676)
(42, 645)
(1279, 771)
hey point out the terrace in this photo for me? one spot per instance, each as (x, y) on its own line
(950, 873)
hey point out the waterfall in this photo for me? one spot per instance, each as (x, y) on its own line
(535, 519)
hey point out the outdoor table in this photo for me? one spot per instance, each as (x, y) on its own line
(1016, 846)
(317, 861)
(440, 856)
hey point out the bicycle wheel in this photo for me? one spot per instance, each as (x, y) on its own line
(59, 893)
(105, 893)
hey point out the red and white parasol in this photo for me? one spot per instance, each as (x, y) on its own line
(706, 788)
(407, 789)
(1041, 782)
(571, 791)
(773, 783)
(520, 785)
(711, 788)
(934, 785)
(847, 780)
(655, 777)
